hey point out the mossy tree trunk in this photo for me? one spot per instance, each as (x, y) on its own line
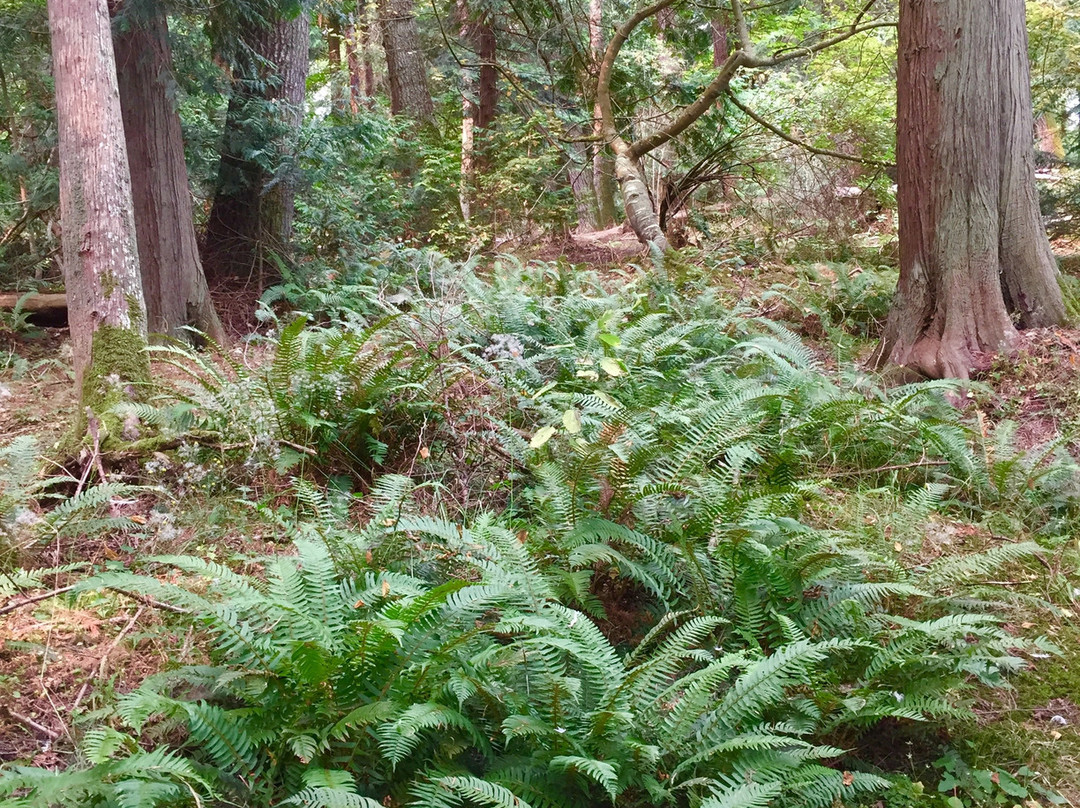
(174, 285)
(974, 258)
(106, 311)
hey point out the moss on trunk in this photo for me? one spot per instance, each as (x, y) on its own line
(119, 371)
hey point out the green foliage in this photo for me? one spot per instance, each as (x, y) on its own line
(473, 684)
(694, 467)
(328, 392)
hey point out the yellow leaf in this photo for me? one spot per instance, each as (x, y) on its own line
(612, 367)
(542, 436)
(571, 419)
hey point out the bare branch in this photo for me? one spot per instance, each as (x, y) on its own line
(799, 53)
(34, 725)
(35, 599)
(741, 28)
(686, 118)
(607, 64)
(802, 144)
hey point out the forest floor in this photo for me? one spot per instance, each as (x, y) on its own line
(59, 662)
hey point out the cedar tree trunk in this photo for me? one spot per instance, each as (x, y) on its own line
(172, 275)
(406, 70)
(252, 215)
(973, 254)
(100, 255)
(357, 93)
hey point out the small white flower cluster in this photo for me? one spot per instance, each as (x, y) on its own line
(162, 523)
(504, 346)
(192, 471)
(26, 518)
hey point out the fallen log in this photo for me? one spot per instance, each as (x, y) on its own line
(53, 303)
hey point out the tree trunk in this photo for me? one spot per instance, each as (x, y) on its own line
(603, 166)
(718, 27)
(970, 233)
(357, 95)
(405, 64)
(100, 255)
(640, 210)
(1029, 270)
(469, 114)
(172, 275)
(488, 97)
(366, 49)
(581, 177)
(333, 56)
(251, 219)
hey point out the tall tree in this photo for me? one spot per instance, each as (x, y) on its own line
(100, 255)
(973, 252)
(174, 285)
(361, 70)
(483, 36)
(406, 67)
(252, 213)
(479, 92)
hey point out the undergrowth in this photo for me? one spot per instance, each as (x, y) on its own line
(630, 547)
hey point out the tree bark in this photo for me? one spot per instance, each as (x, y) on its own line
(357, 94)
(1028, 268)
(333, 56)
(106, 311)
(972, 248)
(405, 64)
(488, 88)
(251, 219)
(366, 49)
(173, 282)
(469, 115)
(718, 28)
(603, 165)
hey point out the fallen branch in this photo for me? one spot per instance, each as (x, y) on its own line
(897, 467)
(23, 719)
(35, 599)
(149, 601)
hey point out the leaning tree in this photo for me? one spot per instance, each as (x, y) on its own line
(641, 209)
(974, 258)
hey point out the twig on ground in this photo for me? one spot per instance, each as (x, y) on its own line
(104, 663)
(35, 599)
(149, 601)
(896, 467)
(23, 719)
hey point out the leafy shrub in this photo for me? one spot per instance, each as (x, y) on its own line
(473, 685)
(327, 392)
